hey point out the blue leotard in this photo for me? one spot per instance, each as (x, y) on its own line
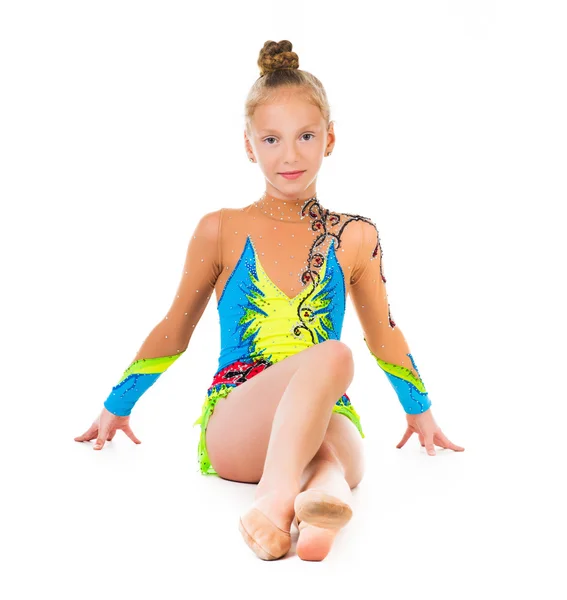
(282, 272)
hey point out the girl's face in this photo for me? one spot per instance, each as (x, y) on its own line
(289, 134)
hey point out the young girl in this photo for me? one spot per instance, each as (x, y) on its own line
(276, 412)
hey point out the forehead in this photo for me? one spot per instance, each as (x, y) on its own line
(288, 112)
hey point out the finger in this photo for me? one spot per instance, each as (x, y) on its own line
(111, 434)
(429, 446)
(128, 431)
(406, 437)
(103, 434)
(89, 434)
(444, 441)
(421, 440)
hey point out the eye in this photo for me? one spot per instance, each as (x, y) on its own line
(273, 138)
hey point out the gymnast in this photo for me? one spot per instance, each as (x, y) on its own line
(276, 412)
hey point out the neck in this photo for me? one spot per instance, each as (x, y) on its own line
(286, 209)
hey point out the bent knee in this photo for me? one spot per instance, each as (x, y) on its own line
(340, 357)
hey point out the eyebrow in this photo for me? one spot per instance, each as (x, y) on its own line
(310, 126)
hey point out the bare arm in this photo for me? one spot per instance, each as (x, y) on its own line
(169, 339)
(383, 337)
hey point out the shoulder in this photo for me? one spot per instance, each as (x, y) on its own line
(367, 235)
(362, 227)
(346, 216)
(368, 229)
(212, 219)
(209, 224)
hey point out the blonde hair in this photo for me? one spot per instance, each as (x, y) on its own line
(279, 69)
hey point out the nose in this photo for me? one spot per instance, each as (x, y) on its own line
(290, 155)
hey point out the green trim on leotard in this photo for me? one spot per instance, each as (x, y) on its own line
(401, 372)
(222, 391)
(145, 366)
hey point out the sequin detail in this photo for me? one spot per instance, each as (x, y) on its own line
(136, 379)
(258, 320)
(409, 388)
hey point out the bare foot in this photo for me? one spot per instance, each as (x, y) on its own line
(314, 543)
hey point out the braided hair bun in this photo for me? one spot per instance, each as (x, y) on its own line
(277, 55)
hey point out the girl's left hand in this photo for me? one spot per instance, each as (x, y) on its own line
(429, 433)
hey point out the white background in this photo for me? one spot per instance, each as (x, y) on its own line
(121, 124)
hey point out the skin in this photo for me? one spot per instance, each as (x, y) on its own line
(278, 140)
(289, 134)
(107, 424)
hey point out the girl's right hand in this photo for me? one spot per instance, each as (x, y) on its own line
(104, 429)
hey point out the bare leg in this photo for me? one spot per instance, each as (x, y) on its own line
(336, 469)
(298, 430)
(325, 474)
(269, 429)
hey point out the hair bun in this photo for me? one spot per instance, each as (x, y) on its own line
(277, 55)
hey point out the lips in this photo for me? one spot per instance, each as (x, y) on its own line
(292, 175)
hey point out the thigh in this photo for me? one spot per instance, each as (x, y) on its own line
(239, 428)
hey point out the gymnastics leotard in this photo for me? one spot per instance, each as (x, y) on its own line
(281, 271)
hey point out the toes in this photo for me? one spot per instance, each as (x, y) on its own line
(314, 543)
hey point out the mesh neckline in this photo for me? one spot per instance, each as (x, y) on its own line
(284, 211)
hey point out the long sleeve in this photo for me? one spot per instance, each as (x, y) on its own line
(383, 337)
(170, 338)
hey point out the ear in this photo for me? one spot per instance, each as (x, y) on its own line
(330, 137)
(247, 145)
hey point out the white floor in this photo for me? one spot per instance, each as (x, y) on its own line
(137, 521)
(120, 127)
